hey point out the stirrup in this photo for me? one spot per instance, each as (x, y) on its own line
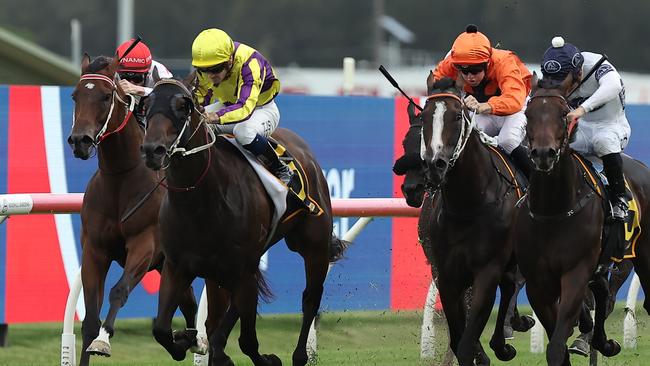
(284, 173)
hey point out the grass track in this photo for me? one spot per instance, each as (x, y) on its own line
(344, 338)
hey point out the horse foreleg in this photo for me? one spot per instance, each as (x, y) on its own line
(173, 284)
(503, 351)
(139, 255)
(483, 294)
(94, 267)
(452, 297)
(572, 294)
(608, 347)
(616, 280)
(222, 317)
(245, 298)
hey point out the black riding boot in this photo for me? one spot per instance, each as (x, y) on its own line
(613, 168)
(263, 151)
(521, 158)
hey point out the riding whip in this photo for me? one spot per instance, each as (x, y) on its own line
(394, 83)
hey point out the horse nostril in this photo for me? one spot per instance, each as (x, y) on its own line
(70, 142)
(533, 153)
(552, 153)
(440, 164)
(86, 140)
(159, 150)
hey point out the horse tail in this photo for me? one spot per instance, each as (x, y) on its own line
(337, 248)
(263, 288)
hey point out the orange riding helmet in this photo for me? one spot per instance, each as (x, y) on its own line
(471, 47)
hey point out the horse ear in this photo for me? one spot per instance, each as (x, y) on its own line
(190, 80)
(567, 84)
(534, 83)
(155, 75)
(85, 61)
(181, 105)
(112, 66)
(410, 109)
(430, 82)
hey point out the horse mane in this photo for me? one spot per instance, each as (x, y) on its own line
(99, 63)
(549, 84)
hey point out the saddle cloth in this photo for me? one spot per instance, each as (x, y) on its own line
(633, 222)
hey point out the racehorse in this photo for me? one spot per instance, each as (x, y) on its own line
(103, 123)
(560, 224)
(469, 222)
(217, 221)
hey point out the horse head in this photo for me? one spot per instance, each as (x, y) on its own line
(445, 129)
(95, 98)
(170, 121)
(410, 165)
(548, 131)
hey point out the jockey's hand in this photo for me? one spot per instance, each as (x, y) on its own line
(575, 114)
(213, 117)
(131, 88)
(474, 105)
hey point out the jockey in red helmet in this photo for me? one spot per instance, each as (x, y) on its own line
(135, 71)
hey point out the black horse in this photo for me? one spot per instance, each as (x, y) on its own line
(560, 224)
(216, 223)
(467, 222)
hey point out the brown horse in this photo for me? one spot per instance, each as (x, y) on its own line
(216, 222)
(468, 225)
(103, 123)
(560, 225)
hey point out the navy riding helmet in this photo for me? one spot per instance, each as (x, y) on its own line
(561, 59)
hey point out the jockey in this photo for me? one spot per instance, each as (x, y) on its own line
(603, 129)
(237, 86)
(136, 74)
(497, 84)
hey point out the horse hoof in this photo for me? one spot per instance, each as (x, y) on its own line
(178, 355)
(482, 359)
(611, 348)
(201, 346)
(272, 360)
(507, 353)
(183, 339)
(525, 323)
(579, 347)
(99, 348)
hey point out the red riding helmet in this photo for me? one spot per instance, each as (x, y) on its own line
(137, 60)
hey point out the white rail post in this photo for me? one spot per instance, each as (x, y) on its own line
(68, 346)
(428, 336)
(537, 337)
(348, 75)
(629, 324)
(202, 360)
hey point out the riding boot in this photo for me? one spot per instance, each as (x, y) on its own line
(613, 168)
(521, 158)
(263, 151)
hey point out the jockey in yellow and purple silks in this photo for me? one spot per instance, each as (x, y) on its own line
(237, 86)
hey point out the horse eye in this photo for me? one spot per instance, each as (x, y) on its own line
(107, 97)
(459, 117)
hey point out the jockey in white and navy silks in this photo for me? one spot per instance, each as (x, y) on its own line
(238, 86)
(603, 129)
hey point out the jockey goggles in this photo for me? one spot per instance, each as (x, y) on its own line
(134, 77)
(471, 69)
(212, 69)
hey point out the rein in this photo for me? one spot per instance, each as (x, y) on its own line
(101, 135)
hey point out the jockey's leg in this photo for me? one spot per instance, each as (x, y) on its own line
(613, 169)
(511, 135)
(520, 156)
(261, 148)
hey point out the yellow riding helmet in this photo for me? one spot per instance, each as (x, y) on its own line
(211, 47)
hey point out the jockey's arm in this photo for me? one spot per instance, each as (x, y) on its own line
(609, 87)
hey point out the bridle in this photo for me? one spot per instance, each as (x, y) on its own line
(175, 149)
(102, 134)
(568, 125)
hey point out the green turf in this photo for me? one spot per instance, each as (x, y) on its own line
(344, 338)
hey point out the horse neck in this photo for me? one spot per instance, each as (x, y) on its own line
(120, 151)
(469, 180)
(556, 191)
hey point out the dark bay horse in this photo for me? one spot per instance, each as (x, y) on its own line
(216, 222)
(468, 225)
(560, 224)
(103, 124)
